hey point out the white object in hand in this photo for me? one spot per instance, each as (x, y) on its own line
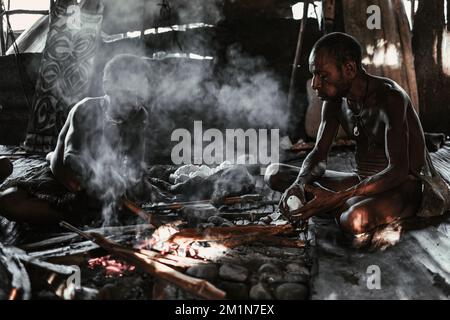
(294, 203)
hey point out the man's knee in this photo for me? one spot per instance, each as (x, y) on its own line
(10, 202)
(6, 168)
(271, 176)
(354, 220)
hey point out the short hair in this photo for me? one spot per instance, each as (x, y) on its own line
(342, 47)
(126, 63)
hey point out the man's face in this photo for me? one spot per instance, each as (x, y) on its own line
(329, 81)
(129, 94)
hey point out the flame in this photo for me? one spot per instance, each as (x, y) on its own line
(111, 266)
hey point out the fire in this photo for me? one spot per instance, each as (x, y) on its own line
(111, 266)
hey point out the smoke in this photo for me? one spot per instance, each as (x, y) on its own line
(241, 93)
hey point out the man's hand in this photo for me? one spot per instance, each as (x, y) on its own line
(324, 200)
(296, 189)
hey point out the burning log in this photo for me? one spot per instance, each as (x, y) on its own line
(195, 286)
(172, 260)
(212, 242)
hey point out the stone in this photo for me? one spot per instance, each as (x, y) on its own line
(269, 267)
(206, 225)
(279, 222)
(270, 277)
(266, 219)
(227, 224)
(301, 278)
(275, 216)
(217, 220)
(234, 290)
(243, 222)
(199, 213)
(233, 272)
(204, 271)
(291, 291)
(297, 268)
(259, 292)
(294, 203)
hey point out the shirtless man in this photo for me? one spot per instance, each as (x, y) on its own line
(100, 149)
(390, 145)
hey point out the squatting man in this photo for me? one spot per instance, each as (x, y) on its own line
(100, 150)
(390, 146)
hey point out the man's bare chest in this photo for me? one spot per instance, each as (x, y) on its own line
(364, 123)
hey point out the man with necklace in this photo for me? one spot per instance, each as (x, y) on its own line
(390, 146)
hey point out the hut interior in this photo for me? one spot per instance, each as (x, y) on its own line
(207, 225)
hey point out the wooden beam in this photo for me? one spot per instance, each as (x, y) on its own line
(295, 67)
(24, 11)
(2, 37)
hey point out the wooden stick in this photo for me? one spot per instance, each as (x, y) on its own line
(148, 217)
(106, 231)
(198, 287)
(23, 11)
(172, 260)
(2, 37)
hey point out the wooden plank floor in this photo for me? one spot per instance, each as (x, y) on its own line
(418, 267)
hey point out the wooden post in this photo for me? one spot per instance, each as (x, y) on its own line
(329, 11)
(143, 22)
(297, 57)
(407, 53)
(2, 37)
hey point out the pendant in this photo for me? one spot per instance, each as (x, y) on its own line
(356, 131)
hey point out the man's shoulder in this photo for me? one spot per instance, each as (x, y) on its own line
(88, 106)
(390, 93)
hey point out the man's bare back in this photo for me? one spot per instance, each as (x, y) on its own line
(100, 149)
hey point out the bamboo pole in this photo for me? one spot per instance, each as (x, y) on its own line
(2, 37)
(24, 11)
(297, 57)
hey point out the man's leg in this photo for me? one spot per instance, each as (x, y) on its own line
(18, 205)
(363, 214)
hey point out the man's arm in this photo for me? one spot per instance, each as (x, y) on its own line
(396, 142)
(76, 142)
(315, 163)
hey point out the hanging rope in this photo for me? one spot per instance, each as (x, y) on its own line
(165, 15)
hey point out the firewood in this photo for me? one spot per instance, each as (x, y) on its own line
(222, 233)
(172, 260)
(198, 287)
(220, 239)
(67, 237)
